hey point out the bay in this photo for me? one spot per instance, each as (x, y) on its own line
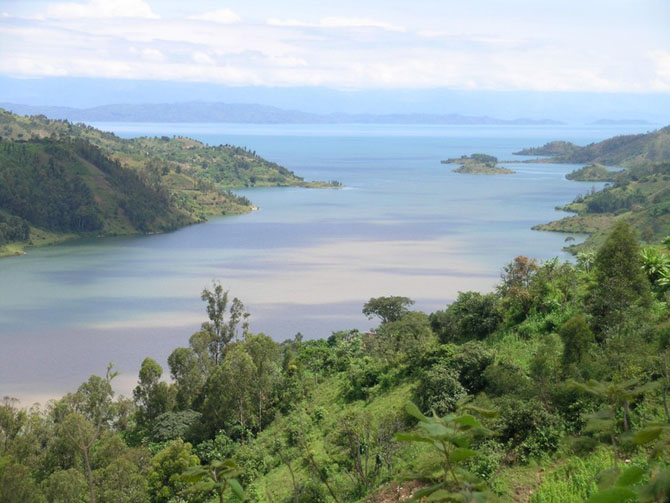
(306, 262)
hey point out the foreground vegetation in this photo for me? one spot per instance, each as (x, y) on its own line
(552, 388)
(59, 180)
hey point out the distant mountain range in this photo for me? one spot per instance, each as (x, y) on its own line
(250, 114)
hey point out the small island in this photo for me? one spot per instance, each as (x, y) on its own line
(478, 164)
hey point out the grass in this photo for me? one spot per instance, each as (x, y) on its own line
(318, 435)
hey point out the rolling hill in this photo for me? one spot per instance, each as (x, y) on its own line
(625, 150)
(60, 180)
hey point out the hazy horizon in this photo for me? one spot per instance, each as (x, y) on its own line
(573, 62)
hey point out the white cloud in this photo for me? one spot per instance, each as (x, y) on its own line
(153, 55)
(343, 52)
(101, 9)
(224, 16)
(202, 58)
(661, 61)
(336, 22)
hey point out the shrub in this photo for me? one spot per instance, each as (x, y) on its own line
(528, 428)
(439, 389)
(472, 316)
(504, 378)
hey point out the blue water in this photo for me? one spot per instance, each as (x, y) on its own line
(306, 262)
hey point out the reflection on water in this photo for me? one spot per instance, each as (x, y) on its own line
(307, 261)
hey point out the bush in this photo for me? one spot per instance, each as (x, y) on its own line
(504, 378)
(364, 375)
(472, 361)
(439, 389)
(528, 428)
(172, 425)
(472, 316)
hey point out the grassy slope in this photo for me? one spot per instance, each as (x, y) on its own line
(538, 481)
(276, 484)
(227, 166)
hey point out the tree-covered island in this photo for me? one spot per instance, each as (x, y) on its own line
(478, 164)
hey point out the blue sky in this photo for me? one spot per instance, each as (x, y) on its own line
(585, 46)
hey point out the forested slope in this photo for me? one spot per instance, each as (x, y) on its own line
(552, 388)
(62, 180)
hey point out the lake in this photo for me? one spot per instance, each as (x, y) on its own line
(306, 262)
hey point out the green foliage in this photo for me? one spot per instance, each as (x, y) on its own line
(165, 476)
(387, 308)
(16, 485)
(471, 316)
(577, 339)
(439, 389)
(506, 378)
(620, 281)
(575, 481)
(404, 340)
(529, 429)
(12, 229)
(450, 438)
(66, 486)
(173, 425)
(152, 396)
(218, 477)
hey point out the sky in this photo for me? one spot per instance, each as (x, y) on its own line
(612, 46)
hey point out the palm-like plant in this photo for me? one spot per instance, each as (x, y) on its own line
(451, 437)
(218, 477)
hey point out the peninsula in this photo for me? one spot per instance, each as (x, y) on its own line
(60, 180)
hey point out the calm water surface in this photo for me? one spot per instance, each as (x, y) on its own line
(403, 225)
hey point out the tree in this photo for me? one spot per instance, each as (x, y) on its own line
(404, 339)
(387, 308)
(265, 354)
(471, 316)
(16, 484)
(577, 340)
(164, 479)
(152, 396)
(188, 375)
(220, 332)
(229, 391)
(449, 439)
(66, 486)
(91, 410)
(620, 282)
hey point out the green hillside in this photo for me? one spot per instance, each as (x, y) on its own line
(553, 388)
(592, 173)
(639, 195)
(619, 150)
(64, 180)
